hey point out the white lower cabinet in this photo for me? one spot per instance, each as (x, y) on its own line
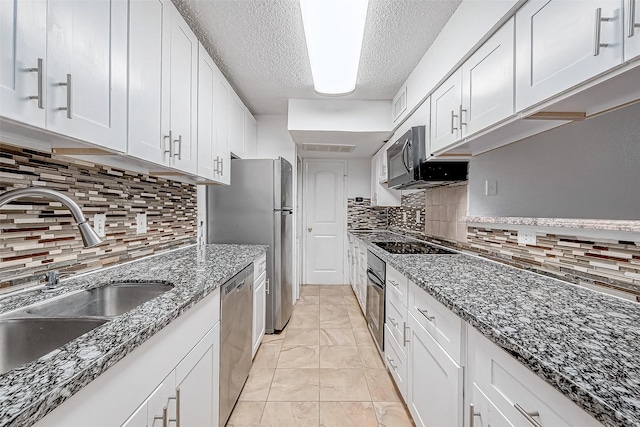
(519, 394)
(177, 368)
(434, 381)
(450, 375)
(483, 413)
(259, 311)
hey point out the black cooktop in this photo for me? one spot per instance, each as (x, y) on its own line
(412, 248)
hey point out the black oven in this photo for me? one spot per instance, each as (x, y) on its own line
(376, 273)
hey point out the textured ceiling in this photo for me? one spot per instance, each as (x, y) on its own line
(260, 47)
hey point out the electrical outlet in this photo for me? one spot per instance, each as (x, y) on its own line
(527, 238)
(417, 217)
(490, 187)
(141, 223)
(99, 223)
(404, 217)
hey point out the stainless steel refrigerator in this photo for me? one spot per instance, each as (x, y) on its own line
(258, 208)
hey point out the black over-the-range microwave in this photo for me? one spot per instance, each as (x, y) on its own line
(408, 168)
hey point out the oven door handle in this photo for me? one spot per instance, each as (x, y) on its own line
(374, 279)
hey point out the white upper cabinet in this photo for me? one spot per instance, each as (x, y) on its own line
(149, 80)
(23, 51)
(163, 73)
(631, 29)
(64, 68)
(236, 126)
(478, 95)
(184, 94)
(562, 43)
(221, 94)
(250, 135)
(87, 70)
(445, 112)
(208, 77)
(488, 82)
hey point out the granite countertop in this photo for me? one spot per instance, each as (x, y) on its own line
(584, 343)
(29, 392)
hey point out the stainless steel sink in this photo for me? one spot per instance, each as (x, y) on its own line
(26, 339)
(106, 301)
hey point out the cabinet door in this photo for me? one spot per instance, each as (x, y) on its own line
(250, 135)
(631, 29)
(23, 42)
(149, 80)
(445, 113)
(488, 82)
(557, 46)
(485, 413)
(259, 312)
(207, 150)
(194, 378)
(87, 71)
(221, 118)
(184, 97)
(236, 126)
(434, 381)
(139, 418)
(163, 396)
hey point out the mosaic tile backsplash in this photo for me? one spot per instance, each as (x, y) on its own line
(361, 216)
(37, 235)
(613, 264)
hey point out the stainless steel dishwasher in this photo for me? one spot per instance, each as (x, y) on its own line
(236, 319)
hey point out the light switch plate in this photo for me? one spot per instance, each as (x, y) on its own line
(490, 187)
(527, 238)
(141, 223)
(99, 224)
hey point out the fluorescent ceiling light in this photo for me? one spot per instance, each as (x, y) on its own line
(334, 30)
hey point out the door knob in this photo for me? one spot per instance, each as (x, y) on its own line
(309, 229)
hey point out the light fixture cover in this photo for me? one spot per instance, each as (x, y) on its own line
(334, 30)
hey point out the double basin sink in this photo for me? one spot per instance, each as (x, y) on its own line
(36, 330)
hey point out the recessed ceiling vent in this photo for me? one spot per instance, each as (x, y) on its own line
(329, 148)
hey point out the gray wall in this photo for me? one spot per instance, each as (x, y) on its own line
(587, 169)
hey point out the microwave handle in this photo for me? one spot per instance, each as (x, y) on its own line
(405, 157)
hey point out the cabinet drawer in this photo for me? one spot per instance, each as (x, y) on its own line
(396, 319)
(260, 265)
(441, 323)
(515, 390)
(396, 362)
(397, 283)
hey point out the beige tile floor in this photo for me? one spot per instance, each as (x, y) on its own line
(322, 370)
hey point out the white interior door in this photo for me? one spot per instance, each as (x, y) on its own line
(325, 214)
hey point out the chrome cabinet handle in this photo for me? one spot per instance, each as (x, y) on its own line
(528, 415)
(472, 415)
(179, 153)
(164, 417)
(405, 338)
(170, 149)
(222, 166)
(394, 367)
(39, 70)
(452, 116)
(216, 163)
(462, 123)
(425, 313)
(394, 283)
(632, 19)
(68, 85)
(596, 40)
